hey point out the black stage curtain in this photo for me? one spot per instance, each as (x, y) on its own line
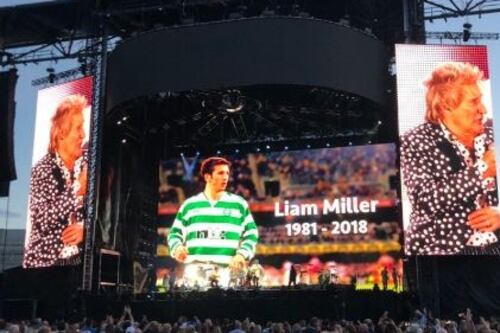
(450, 284)
(8, 81)
(53, 288)
(472, 282)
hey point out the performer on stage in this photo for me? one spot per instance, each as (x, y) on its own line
(257, 272)
(395, 278)
(292, 275)
(449, 171)
(214, 226)
(214, 277)
(324, 278)
(58, 185)
(385, 278)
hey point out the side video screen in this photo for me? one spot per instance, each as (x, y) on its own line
(449, 188)
(58, 185)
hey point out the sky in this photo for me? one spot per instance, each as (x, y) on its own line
(13, 209)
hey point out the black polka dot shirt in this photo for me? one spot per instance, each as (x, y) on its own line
(443, 190)
(52, 202)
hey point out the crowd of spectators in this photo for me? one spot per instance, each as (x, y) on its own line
(421, 322)
(362, 171)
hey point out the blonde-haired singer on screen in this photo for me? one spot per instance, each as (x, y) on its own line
(58, 184)
(448, 166)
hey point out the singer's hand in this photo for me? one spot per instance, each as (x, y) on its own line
(73, 234)
(489, 159)
(82, 179)
(485, 219)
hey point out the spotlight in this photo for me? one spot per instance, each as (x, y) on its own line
(268, 147)
(308, 146)
(233, 101)
(125, 118)
(124, 140)
(119, 122)
(328, 144)
(52, 75)
(5, 57)
(258, 149)
(237, 151)
(350, 143)
(286, 147)
(182, 154)
(83, 69)
(218, 152)
(467, 27)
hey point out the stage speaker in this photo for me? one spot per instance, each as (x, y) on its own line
(8, 81)
(4, 189)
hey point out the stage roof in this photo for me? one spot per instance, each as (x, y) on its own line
(59, 20)
(44, 22)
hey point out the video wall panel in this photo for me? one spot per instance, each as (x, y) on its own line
(58, 184)
(449, 189)
(321, 216)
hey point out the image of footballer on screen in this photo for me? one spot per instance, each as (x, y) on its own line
(448, 168)
(214, 229)
(57, 189)
(323, 216)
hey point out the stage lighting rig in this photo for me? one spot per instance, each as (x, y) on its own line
(233, 101)
(52, 75)
(5, 58)
(466, 33)
(450, 8)
(459, 36)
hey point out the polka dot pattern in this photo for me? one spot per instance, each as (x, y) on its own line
(444, 186)
(53, 202)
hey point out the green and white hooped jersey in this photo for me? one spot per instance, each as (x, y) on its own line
(214, 231)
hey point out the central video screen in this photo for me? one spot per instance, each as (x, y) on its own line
(302, 217)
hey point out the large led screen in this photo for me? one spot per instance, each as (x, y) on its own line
(448, 173)
(58, 184)
(301, 217)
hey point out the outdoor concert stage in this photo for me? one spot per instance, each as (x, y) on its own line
(283, 89)
(304, 107)
(335, 302)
